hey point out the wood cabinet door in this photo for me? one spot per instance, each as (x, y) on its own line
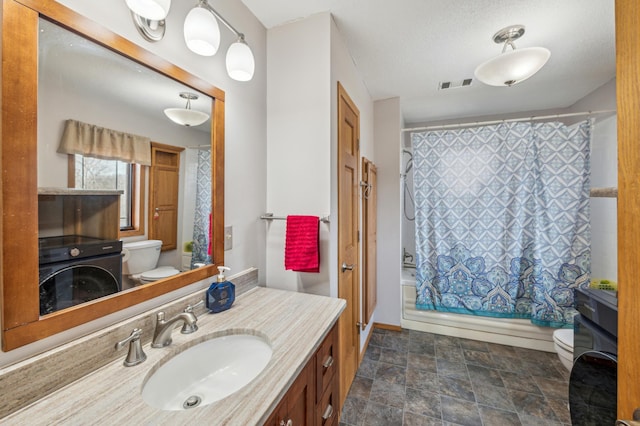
(297, 407)
(301, 399)
(279, 413)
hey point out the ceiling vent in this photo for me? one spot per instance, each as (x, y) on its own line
(455, 84)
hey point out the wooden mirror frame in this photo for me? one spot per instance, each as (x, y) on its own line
(21, 321)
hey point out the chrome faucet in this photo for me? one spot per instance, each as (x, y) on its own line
(406, 255)
(190, 328)
(162, 335)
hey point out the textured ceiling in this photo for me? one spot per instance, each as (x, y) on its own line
(404, 48)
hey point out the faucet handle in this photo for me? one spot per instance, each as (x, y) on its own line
(190, 307)
(135, 355)
(188, 328)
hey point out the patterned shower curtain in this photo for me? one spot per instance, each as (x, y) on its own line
(202, 220)
(502, 220)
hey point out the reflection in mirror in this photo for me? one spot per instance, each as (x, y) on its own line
(21, 153)
(80, 229)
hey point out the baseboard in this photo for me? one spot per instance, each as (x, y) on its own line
(387, 326)
(365, 346)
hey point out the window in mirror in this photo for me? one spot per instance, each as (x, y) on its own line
(97, 173)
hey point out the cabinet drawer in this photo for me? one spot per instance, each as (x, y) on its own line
(326, 363)
(327, 408)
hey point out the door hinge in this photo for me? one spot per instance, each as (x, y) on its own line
(358, 235)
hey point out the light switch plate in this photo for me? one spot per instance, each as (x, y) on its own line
(228, 238)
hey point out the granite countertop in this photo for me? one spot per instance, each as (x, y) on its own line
(294, 323)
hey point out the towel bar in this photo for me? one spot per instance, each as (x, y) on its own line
(270, 216)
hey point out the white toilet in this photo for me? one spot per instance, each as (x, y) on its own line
(563, 344)
(140, 259)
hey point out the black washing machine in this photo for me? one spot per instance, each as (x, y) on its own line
(74, 269)
(593, 381)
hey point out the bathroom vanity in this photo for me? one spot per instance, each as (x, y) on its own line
(313, 398)
(300, 377)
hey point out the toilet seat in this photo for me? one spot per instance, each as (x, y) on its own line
(159, 273)
(564, 339)
(563, 345)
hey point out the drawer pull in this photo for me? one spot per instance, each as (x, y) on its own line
(288, 423)
(328, 362)
(328, 412)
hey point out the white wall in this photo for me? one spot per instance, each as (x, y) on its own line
(302, 140)
(245, 139)
(298, 139)
(387, 126)
(604, 173)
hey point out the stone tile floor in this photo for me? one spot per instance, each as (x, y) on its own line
(416, 378)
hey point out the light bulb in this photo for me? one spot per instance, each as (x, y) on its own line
(240, 62)
(153, 10)
(201, 32)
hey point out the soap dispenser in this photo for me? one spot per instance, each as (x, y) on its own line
(221, 294)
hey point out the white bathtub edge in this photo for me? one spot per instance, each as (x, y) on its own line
(514, 332)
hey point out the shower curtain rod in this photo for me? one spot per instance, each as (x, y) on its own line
(508, 120)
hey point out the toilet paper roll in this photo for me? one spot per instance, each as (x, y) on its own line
(125, 254)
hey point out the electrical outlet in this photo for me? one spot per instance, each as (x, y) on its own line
(228, 238)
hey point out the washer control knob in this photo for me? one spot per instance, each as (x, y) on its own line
(74, 251)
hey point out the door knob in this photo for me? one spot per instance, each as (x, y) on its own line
(345, 267)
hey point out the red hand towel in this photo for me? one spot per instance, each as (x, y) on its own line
(302, 244)
(210, 235)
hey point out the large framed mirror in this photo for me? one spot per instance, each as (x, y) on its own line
(33, 119)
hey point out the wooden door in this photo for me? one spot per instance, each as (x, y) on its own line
(348, 247)
(164, 190)
(628, 104)
(369, 241)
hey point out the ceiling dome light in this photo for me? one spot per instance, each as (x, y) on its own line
(201, 32)
(240, 62)
(186, 116)
(512, 67)
(154, 10)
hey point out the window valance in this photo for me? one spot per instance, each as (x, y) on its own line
(94, 141)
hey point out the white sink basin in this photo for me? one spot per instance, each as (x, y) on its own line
(207, 372)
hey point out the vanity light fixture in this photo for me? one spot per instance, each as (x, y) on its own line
(154, 10)
(515, 66)
(148, 17)
(186, 116)
(201, 33)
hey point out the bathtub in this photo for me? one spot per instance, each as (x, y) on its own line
(504, 331)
